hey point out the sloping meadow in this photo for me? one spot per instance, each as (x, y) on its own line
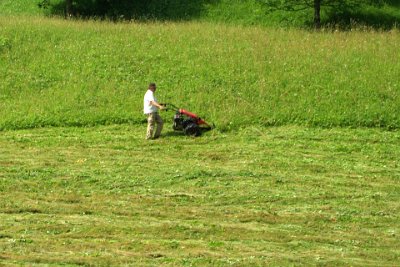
(60, 73)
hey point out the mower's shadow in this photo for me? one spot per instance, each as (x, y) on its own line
(173, 133)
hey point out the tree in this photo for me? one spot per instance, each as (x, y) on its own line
(126, 9)
(297, 5)
(68, 8)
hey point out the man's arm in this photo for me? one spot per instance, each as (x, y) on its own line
(154, 103)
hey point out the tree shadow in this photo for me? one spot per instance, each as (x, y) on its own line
(175, 10)
(383, 17)
(394, 3)
(376, 18)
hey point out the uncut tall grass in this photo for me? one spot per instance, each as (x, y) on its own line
(57, 73)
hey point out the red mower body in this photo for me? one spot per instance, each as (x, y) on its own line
(190, 123)
(199, 120)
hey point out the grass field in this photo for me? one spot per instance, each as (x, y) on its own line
(259, 196)
(60, 73)
(302, 169)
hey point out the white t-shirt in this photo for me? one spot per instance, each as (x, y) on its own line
(147, 107)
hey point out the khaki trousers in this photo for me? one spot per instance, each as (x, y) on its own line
(153, 118)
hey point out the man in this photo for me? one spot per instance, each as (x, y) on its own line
(150, 108)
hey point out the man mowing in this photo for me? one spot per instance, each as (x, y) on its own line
(150, 109)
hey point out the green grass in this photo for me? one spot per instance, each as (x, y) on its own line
(63, 73)
(20, 7)
(243, 194)
(254, 197)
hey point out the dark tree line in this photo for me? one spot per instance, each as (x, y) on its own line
(113, 7)
(127, 9)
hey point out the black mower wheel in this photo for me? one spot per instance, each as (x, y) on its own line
(192, 129)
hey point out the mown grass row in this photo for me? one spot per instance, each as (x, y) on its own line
(104, 196)
(60, 73)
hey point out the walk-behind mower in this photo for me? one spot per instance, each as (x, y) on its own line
(188, 122)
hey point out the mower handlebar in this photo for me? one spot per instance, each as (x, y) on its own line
(169, 106)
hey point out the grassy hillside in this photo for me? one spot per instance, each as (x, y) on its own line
(20, 7)
(279, 197)
(55, 72)
(242, 195)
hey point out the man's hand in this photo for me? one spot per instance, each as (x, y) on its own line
(160, 106)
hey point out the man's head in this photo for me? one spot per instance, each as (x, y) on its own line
(152, 87)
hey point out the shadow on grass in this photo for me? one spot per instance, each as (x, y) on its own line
(174, 10)
(371, 18)
(385, 16)
(394, 3)
(172, 133)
